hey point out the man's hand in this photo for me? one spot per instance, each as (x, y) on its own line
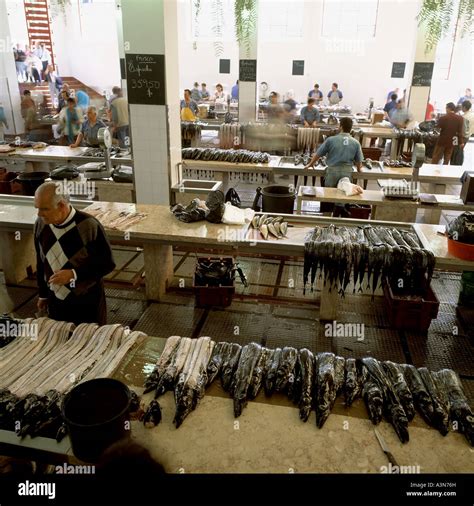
(42, 304)
(72, 146)
(306, 124)
(62, 278)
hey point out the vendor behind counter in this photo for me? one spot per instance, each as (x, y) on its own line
(88, 135)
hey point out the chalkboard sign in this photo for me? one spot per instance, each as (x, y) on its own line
(422, 74)
(145, 79)
(224, 66)
(248, 70)
(298, 67)
(398, 69)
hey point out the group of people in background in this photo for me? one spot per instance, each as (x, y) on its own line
(32, 63)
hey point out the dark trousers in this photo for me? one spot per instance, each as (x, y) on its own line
(88, 308)
(43, 72)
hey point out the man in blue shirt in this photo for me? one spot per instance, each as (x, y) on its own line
(195, 93)
(467, 96)
(309, 114)
(342, 152)
(316, 93)
(335, 95)
(390, 105)
(83, 100)
(235, 90)
(204, 93)
(89, 130)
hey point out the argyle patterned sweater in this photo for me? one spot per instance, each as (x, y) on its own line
(79, 244)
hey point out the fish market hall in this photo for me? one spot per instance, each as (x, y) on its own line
(236, 239)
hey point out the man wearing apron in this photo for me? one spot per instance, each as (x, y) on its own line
(342, 152)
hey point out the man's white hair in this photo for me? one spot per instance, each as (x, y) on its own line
(56, 190)
(92, 108)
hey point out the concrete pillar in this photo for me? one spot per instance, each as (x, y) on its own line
(9, 90)
(148, 27)
(248, 88)
(419, 95)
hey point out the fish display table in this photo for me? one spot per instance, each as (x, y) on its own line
(383, 208)
(158, 231)
(211, 440)
(39, 159)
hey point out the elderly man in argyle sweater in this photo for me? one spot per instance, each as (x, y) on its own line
(73, 255)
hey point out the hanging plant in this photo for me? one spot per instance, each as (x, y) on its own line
(217, 26)
(58, 7)
(197, 10)
(438, 16)
(245, 22)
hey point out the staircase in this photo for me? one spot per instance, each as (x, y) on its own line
(38, 24)
(74, 84)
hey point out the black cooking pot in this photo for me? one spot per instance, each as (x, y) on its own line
(31, 181)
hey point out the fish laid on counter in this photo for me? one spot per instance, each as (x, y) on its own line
(372, 253)
(422, 398)
(258, 375)
(286, 366)
(352, 383)
(325, 388)
(459, 409)
(398, 383)
(231, 360)
(216, 361)
(272, 368)
(440, 413)
(306, 366)
(165, 358)
(152, 416)
(249, 358)
(191, 385)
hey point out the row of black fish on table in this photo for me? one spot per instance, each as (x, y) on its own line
(342, 253)
(40, 415)
(225, 155)
(311, 382)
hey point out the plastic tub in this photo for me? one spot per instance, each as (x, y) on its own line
(461, 249)
(30, 181)
(95, 413)
(278, 199)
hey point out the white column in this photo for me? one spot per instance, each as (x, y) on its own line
(419, 95)
(9, 89)
(148, 27)
(248, 89)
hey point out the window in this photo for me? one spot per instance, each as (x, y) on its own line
(214, 22)
(349, 18)
(280, 20)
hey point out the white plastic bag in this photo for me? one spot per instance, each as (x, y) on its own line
(235, 216)
(348, 188)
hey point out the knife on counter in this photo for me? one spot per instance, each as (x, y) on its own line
(385, 448)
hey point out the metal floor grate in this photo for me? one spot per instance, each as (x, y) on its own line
(128, 313)
(164, 320)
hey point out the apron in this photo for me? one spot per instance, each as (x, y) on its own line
(333, 174)
(334, 98)
(187, 114)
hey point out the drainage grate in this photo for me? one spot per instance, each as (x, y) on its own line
(291, 332)
(164, 320)
(126, 313)
(442, 350)
(468, 386)
(117, 293)
(240, 328)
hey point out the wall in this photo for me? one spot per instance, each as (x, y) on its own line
(362, 68)
(86, 46)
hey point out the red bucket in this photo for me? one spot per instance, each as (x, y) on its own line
(461, 249)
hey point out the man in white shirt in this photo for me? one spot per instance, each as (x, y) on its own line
(45, 56)
(457, 158)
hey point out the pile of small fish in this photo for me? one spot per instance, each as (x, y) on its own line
(100, 152)
(396, 163)
(225, 155)
(307, 138)
(344, 252)
(270, 225)
(311, 381)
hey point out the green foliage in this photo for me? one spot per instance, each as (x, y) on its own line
(59, 7)
(197, 9)
(245, 22)
(438, 16)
